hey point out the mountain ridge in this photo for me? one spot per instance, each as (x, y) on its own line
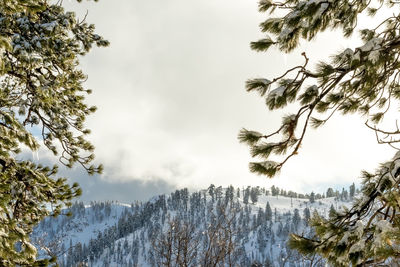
(118, 234)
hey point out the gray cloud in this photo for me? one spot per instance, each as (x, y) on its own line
(100, 189)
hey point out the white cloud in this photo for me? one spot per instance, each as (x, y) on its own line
(171, 98)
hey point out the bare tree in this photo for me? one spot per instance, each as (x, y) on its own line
(177, 245)
(221, 244)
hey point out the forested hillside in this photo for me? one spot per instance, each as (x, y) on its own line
(213, 227)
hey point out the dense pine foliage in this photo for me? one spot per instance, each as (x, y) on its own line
(40, 91)
(363, 80)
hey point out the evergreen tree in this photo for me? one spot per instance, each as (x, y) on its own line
(274, 191)
(330, 193)
(352, 190)
(268, 212)
(254, 193)
(41, 88)
(229, 193)
(361, 79)
(279, 231)
(345, 195)
(211, 191)
(306, 215)
(312, 197)
(218, 193)
(246, 195)
(296, 219)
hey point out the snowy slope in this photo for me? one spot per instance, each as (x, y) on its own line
(86, 222)
(115, 234)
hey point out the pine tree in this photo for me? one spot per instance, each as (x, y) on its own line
(306, 215)
(254, 193)
(229, 193)
(246, 195)
(330, 193)
(274, 191)
(312, 197)
(296, 219)
(352, 190)
(40, 90)
(362, 80)
(268, 212)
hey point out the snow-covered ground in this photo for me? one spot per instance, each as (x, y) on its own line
(116, 234)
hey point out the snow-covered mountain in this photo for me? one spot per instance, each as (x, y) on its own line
(221, 226)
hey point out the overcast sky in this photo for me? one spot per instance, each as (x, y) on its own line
(171, 101)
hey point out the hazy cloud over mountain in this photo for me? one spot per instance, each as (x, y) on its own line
(171, 99)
